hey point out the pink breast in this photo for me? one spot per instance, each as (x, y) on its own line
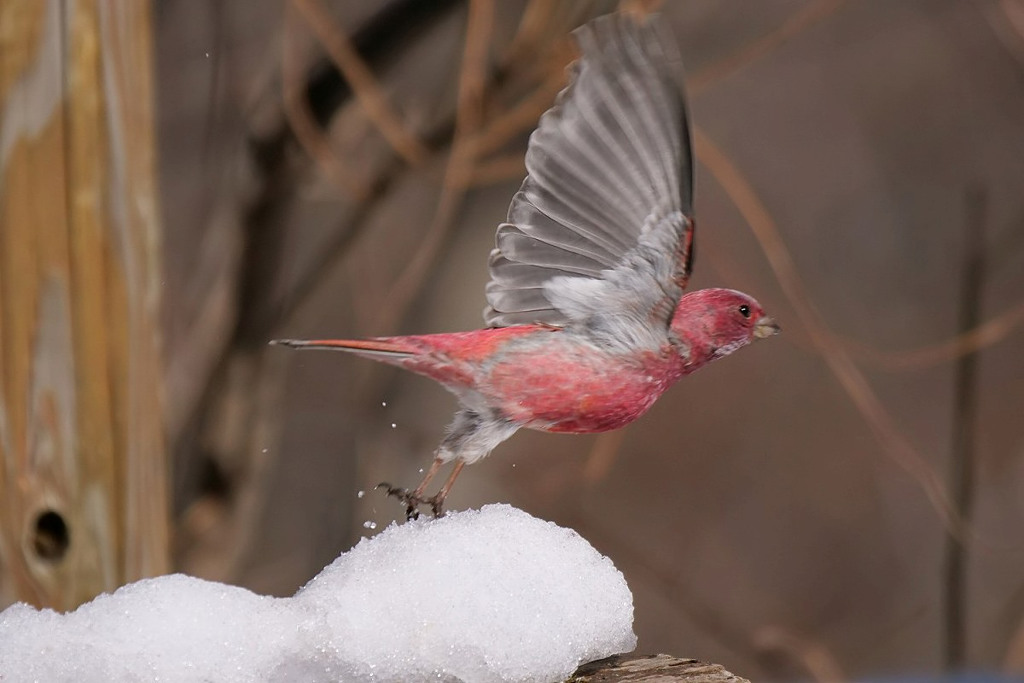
(576, 389)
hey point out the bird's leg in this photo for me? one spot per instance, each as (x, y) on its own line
(437, 501)
(471, 436)
(413, 499)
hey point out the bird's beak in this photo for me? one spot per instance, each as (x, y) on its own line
(766, 327)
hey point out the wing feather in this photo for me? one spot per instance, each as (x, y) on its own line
(600, 234)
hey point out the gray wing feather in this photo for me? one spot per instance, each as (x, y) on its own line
(598, 236)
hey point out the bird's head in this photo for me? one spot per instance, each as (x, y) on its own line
(715, 322)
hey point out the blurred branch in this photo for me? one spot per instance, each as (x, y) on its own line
(241, 388)
(533, 27)
(503, 128)
(1011, 623)
(302, 122)
(523, 116)
(364, 86)
(1014, 12)
(1006, 18)
(499, 170)
(542, 23)
(1013, 661)
(214, 87)
(468, 117)
(605, 451)
(832, 351)
(979, 337)
(472, 84)
(806, 17)
(961, 468)
(812, 655)
(969, 341)
(642, 567)
(984, 335)
(639, 8)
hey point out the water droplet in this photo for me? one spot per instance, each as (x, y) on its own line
(369, 525)
(393, 425)
(384, 404)
(360, 494)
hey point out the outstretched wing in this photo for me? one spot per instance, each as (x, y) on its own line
(600, 234)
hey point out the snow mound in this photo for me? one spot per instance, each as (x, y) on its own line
(488, 595)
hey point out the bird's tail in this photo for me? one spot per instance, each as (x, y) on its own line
(384, 350)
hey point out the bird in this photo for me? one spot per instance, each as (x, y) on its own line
(587, 322)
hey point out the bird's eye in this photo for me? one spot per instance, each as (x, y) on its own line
(745, 310)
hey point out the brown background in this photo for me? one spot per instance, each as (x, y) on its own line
(768, 512)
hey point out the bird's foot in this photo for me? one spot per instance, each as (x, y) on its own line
(413, 501)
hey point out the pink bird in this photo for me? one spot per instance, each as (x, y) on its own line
(587, 320)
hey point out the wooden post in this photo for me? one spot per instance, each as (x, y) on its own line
(83, 481)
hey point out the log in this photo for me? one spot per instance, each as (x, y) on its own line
(83, 470)
(652, 668)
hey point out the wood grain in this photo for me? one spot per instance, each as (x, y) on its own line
(83, 502)
(653, 668)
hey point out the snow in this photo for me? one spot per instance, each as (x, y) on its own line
(488, 595)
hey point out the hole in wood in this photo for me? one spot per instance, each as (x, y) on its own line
(51, 539)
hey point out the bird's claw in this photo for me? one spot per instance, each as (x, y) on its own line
(413, 501)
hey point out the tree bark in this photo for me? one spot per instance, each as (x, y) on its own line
(660, 668)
